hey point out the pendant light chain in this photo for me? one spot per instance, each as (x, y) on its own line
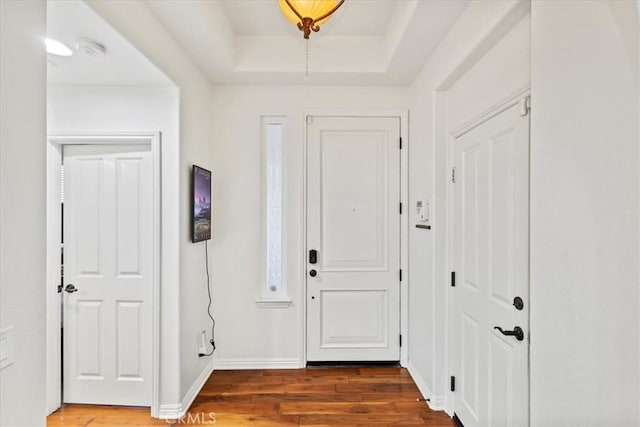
(306, 54)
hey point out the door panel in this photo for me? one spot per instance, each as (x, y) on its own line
(129, 227)
(129, 336)
(353, 205)
(342, 330)
(501, 216)
(491, 261)
(108, 235)
(470, 368)
(353, 191)
(501, 392)
(88, 219)
(470, 201)
(89, 320)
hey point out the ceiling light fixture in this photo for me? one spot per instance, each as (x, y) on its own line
(55, 47)
(309, 14)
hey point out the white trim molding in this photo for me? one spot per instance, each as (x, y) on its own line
(435, 402)
(282, 363)
(273, 303)
(175, 411)
(491, 112)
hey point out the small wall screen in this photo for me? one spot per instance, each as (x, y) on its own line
(201, 204)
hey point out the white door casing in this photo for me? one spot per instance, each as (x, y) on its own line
(353, 221)
(491, 262)
(109, 258)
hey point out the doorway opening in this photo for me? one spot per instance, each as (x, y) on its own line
(102, 298)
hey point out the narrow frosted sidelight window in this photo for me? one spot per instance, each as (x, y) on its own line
(273, 167)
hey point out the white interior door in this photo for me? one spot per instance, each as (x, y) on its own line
(353, 222)
(108, 259)
(491, 264)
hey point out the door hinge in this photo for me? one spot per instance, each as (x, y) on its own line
(401, 143)
(400, 275)
(525, 106)
(309, 120)
(453, 279)
(400, 208)
(400, 340)
(453, 383)
(453, 175)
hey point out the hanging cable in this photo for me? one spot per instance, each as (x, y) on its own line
(212, 341)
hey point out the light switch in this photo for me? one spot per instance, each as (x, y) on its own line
(6, 347)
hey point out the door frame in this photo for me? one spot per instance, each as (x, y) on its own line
(511, 100)
(55, 142)
(402, 115)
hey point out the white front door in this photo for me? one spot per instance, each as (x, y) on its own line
(353, 224)
(491, 266)
(108, 259)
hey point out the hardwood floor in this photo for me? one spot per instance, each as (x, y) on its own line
(305, 397)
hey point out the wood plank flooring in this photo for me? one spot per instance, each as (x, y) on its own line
(313, 397)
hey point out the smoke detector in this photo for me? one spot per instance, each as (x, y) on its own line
(91, 48)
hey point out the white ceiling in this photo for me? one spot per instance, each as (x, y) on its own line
(70, 21)
(366, 42)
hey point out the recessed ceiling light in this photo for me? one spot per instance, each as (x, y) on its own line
(55, 47)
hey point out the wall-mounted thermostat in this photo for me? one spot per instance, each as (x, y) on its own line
(422, 210)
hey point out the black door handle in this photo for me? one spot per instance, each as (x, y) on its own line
(313, 273)
(70, 288)
(517, 332)
(313, 256)
(518, 303)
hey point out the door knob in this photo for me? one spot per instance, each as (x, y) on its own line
(313, 273)
(517, 332)
(70, 288)
(518, 303)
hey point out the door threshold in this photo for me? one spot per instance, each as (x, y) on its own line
(355, 364)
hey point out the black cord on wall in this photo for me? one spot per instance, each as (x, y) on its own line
(212, 341)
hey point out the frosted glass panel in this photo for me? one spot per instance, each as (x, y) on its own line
(273, 159)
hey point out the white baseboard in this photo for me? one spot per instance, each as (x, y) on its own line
(435, 402)
(176, 411)
(171, 411)
(226, 364)
(439, 403)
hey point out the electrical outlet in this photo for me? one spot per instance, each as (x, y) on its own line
(202, 347)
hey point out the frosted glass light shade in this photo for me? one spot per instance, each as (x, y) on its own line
(308, 9)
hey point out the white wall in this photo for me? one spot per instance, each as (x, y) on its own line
(93, 110)
(136, 23)
(501, 72)
(584, 214)
(22, 209)
(477, 30)
(247, 334)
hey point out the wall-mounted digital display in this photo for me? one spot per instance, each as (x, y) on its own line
(201, 204)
